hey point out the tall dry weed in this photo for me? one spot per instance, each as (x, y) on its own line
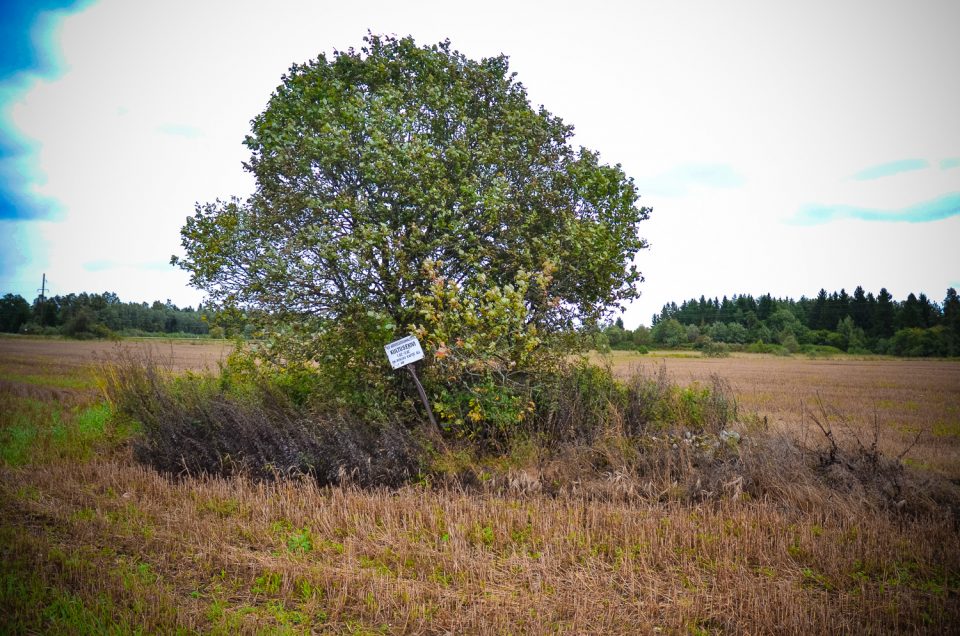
(193, 425)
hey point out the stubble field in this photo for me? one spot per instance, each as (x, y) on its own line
(92, 542)
(907, 397)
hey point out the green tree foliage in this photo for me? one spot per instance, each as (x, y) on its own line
(883, 315)
(398, 178)
(87, 315)
(860, 308)
(819, 318)
(860, 323)
(783, 321)
(375, 165)
(14, 312)
(852, 337)
(484, 350)
(765, 306)
(910, 315)
(917, 342)
(669, 333)
(951, 321)
(620, 338)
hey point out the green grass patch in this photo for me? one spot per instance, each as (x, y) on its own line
(21, 424)
(54, 381)
(35, 431)
(946, 429)
(681, 353)
(33, 603)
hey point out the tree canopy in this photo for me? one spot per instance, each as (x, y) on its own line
(382, 171)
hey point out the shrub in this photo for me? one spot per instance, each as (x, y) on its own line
(761, 347)
(36, 329)
(789, 342)
(486, 360)
(577, 402)
(713, 349)
(236, 424)
(917, 342)
(669, 333)
(820, 350)
(264, 422)
(335, 366)
(587, 400)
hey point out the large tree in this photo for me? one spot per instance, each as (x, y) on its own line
(381, 171)
(404, 189)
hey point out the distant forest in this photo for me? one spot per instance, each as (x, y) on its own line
(834, 322)
(830, 323)
(105, 315)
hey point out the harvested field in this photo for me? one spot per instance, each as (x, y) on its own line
(228, 556)
(49, 353)
(907, 397)
(92, 542)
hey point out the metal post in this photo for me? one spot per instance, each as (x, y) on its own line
(426, 402)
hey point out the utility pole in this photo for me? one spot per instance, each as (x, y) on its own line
(43, 291)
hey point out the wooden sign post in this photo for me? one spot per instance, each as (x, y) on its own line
(403, 353)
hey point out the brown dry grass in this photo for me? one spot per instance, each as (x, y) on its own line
(135, 550)
(909, 397)
(421, 561)
(65, 356)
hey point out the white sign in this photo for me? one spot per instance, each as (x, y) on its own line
(404, 351)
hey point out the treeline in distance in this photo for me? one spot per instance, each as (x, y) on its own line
(105, 315)
(835, 322)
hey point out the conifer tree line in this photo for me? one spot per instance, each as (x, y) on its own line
(861, 322)
(105, 315)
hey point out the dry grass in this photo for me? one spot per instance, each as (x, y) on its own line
(100, 544)
(908, 396)
(420, 561)
(62, 356)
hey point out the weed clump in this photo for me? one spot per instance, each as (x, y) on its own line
(648, 438)
(585, 401)
(264, 423)
(847, 462)
(200, 424)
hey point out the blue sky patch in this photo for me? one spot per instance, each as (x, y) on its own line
(891, 168)
(26, 48)
(937, 209)
(952, 162)
(18, 24)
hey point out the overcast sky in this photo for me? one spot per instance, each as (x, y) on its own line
(784, 147)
